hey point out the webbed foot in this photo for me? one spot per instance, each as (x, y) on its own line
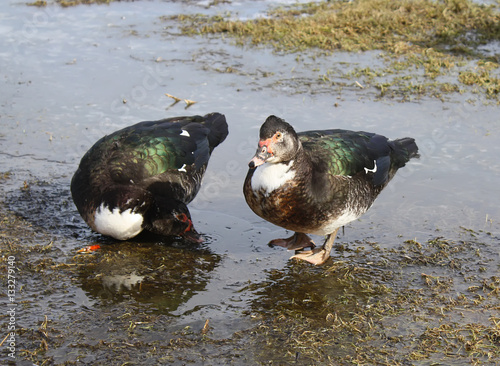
(316, 256)
(296, 242)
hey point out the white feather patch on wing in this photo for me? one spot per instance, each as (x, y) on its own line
(374, 170)
(185, 133)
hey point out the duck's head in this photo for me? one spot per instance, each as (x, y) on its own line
(172, 218)
(278, 143)
(184, 224)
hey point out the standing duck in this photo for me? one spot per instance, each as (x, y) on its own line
(143, 176)
(318, 181)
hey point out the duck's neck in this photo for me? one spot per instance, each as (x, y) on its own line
(302, 163)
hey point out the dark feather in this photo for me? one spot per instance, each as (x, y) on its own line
(148, 164)
(349, 153)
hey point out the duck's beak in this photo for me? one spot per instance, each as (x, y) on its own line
(192, 235)
(263, 153)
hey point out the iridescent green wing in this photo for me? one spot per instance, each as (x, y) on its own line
(362, 154)
(340, 152)
(149, 149)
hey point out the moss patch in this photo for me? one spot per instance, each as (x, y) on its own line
(421, 301)
(440, 38)
(457, 26)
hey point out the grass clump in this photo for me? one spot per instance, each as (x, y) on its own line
(438, 37)
(482, 77)
(368, 25)
(419, 302)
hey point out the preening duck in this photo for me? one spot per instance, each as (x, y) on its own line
(143, 176)
(315, 182)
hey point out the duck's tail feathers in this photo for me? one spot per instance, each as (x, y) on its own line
(405, 149)
(217, 124)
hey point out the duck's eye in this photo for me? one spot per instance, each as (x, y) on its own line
(279, 135)
(182, 217)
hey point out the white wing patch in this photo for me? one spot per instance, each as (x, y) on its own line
(119, 225)
(272, 176)
(185, 133)
(183, 169)
(374, 167)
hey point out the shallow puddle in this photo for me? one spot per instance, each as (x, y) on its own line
(423, 263)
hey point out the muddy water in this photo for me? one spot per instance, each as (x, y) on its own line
(69, 76)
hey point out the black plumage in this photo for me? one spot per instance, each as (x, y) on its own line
(317, 181)
(143, 176)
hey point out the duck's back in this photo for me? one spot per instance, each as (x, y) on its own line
(353, 153)
(166, 157)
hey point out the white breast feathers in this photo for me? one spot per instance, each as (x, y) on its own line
(272, 176)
